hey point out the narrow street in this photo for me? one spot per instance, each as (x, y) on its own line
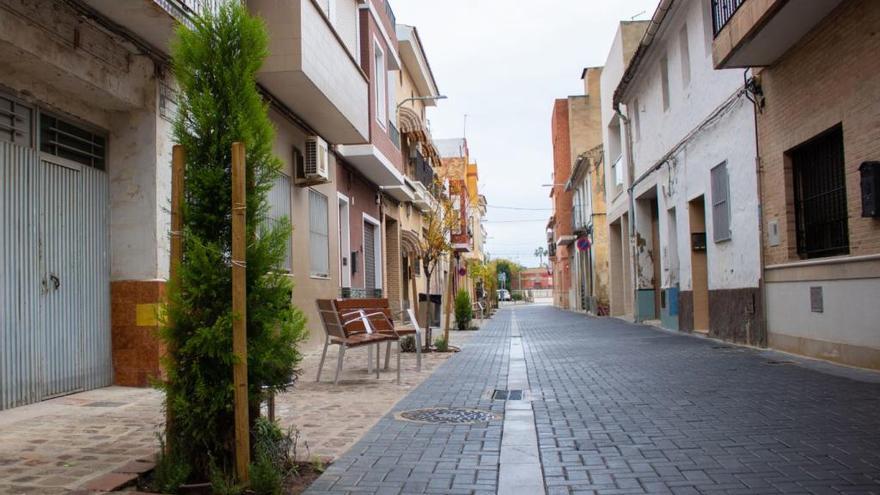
(622, 408)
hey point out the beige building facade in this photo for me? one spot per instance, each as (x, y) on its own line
(817, 75)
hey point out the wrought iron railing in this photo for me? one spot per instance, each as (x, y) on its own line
(358, 293)
(423, 171)
(722, 12)
(185, 10)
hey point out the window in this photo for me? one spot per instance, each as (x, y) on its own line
(71, 142)
(664, 81)
(720, 203)
(685, 56)
(279, 213)
(331, 11)
(15, 122)
(319, 235)
(380, 72)
(820, 196)
(637, 127)
(617, 168)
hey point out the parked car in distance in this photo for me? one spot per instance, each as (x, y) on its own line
(504, 295)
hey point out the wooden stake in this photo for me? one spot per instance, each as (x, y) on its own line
(453, 272)
(239, 311)
(413, 262)
(178, 161)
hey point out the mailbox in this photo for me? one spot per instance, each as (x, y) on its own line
(870, 172)
(698, 241)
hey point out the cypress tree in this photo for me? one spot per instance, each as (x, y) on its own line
(215, 63)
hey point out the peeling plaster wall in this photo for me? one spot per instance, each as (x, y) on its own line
(732, 264)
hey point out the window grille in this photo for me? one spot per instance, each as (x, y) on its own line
(820, 196)
(15, 122)
(69, 141)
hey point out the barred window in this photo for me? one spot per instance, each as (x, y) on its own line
(69, 141)
(820, 196)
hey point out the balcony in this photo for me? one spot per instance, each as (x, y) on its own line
(756, 33)
(311, 69)
(153, 21)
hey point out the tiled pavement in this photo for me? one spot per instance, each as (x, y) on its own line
(56, 446)
(622, 409)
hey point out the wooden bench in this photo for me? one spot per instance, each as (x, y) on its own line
(337, 332)
(383, 320)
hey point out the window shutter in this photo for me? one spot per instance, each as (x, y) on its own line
(319, 235)
(720, 203)
(279, 211)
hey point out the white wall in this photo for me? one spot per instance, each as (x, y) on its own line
(731, 138)
(612, 72)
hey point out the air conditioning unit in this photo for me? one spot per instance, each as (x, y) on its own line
(313, 166)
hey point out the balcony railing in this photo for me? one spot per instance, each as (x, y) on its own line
(185, 10)
(423, 171)
(358, 293)
(722, 12)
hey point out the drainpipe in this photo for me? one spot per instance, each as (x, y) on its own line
(760, 186)
(630, 170)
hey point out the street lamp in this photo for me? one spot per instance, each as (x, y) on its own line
(421, 98)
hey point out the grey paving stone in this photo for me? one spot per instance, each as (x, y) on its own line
(621, 408)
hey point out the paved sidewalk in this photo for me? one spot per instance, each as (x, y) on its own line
(625, 409)
(59, 445)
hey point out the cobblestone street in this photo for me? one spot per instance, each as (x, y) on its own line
(621, 408)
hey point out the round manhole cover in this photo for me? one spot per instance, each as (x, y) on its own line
(447, 416)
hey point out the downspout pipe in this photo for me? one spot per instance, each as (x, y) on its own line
(628, 152)
(628, 76)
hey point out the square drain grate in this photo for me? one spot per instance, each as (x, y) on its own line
(507, 395)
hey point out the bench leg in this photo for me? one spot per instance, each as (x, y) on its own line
(399, 352)
(339, 364)
(378, 353)
(323, 356)
(387, 354)
(370, 359)
(418, 350)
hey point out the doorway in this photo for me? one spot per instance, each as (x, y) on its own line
(344, 243)
(55, 269)
(699, 264)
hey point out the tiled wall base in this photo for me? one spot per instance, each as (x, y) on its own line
(135, 306)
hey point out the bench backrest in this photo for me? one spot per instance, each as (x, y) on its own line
(375, 305)
(330, 318)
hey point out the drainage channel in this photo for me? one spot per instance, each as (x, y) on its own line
(520, 465)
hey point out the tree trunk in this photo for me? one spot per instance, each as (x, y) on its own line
(448, 305)
(427, 345)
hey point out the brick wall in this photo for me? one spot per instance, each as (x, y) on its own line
(831, 77)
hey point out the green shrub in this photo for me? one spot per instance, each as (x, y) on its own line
(464, 310)
(223, 484)
(215, 64)
(441, 344)
(266, 477)
(171, 470)
(517, 296)
(408, 344)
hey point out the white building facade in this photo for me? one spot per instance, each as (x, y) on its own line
(688, 142)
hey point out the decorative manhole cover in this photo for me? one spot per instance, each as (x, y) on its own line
(447, 416)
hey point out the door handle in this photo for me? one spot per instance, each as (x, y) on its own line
(56, 282)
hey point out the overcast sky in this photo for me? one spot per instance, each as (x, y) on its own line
(503, 63)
